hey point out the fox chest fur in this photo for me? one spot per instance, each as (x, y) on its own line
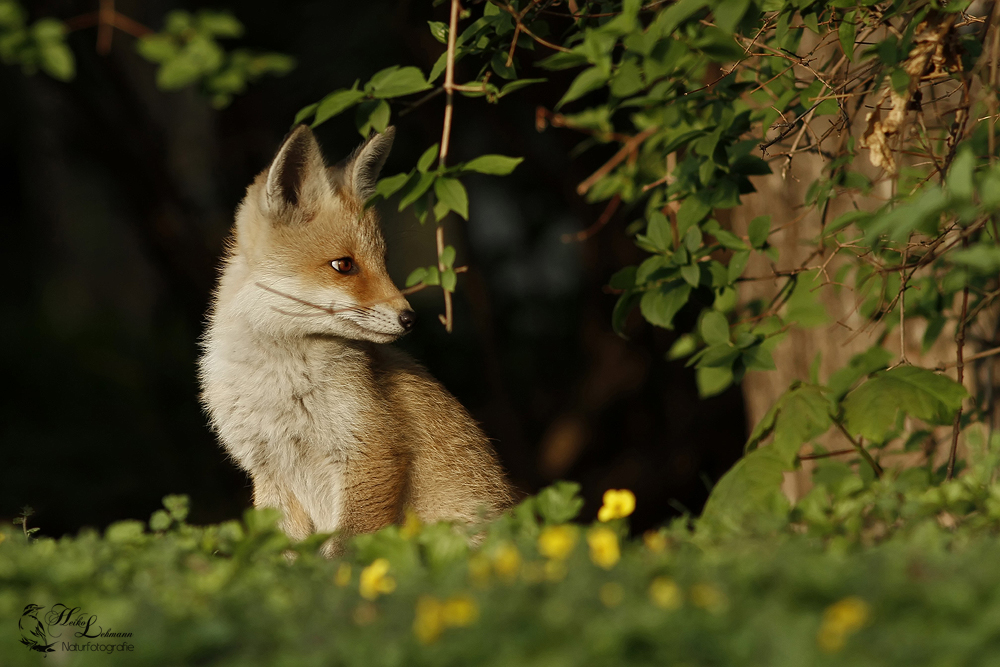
(337, 430)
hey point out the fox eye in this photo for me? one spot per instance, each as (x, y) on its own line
(344, 265)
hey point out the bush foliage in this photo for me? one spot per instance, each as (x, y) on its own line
(881, 563)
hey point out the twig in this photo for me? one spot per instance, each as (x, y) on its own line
(838, 452)
(449, 88)
(974, 357)
(446, 318)
(960, 365)
(861, 450)
(630, 146)
(609, 211)
(519, 26)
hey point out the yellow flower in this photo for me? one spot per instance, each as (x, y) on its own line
(375, 580)
(708, 597)
(655, 541)
(343, 576)
(2, 537)
(665, 593)
(603, 547)
(459, 611)
(428, 622)
(507, 561)
(557, 541)
(840, 620)
(618, 504)
(611, 594)
(479, 569)
(411, 525)
(433, 616)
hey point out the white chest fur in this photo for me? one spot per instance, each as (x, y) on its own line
(285, 409)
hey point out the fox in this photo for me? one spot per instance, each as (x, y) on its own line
(337, 429)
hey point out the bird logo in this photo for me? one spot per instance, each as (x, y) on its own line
(33, 632)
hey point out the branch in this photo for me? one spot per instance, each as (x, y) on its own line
(630, 146)
(861, 450)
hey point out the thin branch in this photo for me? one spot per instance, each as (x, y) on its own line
(960, 365)
(609, 211)
(630, 146)
(861, 450)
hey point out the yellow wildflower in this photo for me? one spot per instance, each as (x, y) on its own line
(411, 524)
(708, 597)
(603, 547)
(840, 620)
(433, 616)
(557, 541)
(2, 537)
(428, 622)
(655, 541)
(611, 594)
(507, 561)
(343, 576)
(618, 504)
(459, 611)
(665, 593)
(479, 569)
(375, 580)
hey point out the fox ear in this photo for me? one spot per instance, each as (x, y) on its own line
(364, 165)
(296, 178)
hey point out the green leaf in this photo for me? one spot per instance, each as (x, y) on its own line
(660, 305)
(517, 85)
(157, 48)
(57, 60)
(691, 212)
(959, 180)
(804, 306)
(439, 30)
(305, 112)
(870, 410)
(981, 259)
(714, 328)
(497, 165)
(416, 276)
(397, 81)
(668, 21)
(797, 417)
(861, 365)
(627, 80)
(448, 256)
(415, 187)
(760, 228)
(758, 358)
(737, 263)
(390, 185)
(335, 103)
(427, 159)
(749, 496)
(433, 276)
(372, 115)
(451, 192)
(685, 345)
(449, 280)
(846, 32)
(729, 12)
(587, 81)
(658, 231)
(560, 502)
(691, 274)
(729, 240)
(712, 380)
(221, 24)
(177, 73)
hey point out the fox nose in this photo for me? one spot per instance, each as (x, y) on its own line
(407, 319)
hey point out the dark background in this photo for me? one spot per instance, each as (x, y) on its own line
(116, 199)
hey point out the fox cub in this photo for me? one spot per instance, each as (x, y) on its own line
(336, 429)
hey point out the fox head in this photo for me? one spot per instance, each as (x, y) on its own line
(308, 257)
